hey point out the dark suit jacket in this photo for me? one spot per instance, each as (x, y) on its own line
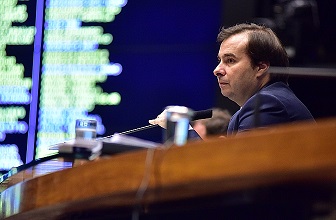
(273, 104)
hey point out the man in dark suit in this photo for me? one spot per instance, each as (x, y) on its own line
(246, 52)
(245, 55)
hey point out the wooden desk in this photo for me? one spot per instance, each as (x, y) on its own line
(301, 155)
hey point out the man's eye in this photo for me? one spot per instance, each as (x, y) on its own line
(230, 60)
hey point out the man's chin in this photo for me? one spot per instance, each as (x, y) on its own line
(226, 94)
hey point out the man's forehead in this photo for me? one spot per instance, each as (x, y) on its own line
(234, 44)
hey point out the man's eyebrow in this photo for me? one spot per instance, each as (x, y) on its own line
(229, 55)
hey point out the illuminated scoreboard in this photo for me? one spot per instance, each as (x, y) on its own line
(73, 64)
(17, 30)
(52, 60)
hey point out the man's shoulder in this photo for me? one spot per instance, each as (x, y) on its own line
(276, 88)
(277, 92)
(276, 98)
(272, 94)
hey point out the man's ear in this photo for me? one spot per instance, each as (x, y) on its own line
(262, 68)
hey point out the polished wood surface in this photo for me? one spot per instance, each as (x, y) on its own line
(302, 153)
(41, 169)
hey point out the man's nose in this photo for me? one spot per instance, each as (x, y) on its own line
(217, 71)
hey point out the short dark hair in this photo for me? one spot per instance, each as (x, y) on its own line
(217, 124)
(263, 45)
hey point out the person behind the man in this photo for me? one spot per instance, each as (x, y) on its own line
(216, 126)
(245, 55)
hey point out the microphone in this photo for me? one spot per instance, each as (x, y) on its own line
(203, 114)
